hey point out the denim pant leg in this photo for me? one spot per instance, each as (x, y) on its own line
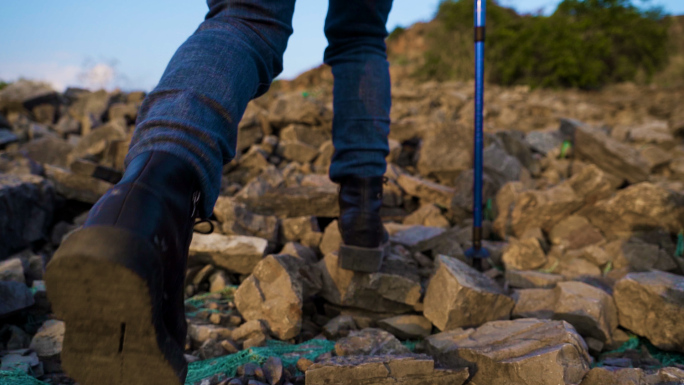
(194, 111)
(356, 51)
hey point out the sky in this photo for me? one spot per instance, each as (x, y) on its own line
(127, 43)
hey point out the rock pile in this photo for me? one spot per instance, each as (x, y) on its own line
(585, 197)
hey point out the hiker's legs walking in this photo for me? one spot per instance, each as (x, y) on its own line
(356, 52)
(194, 111)
(125, 322)
(356, 35)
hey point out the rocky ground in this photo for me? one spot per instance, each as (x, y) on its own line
(585, 203)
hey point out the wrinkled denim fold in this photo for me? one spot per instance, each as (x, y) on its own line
(233, 57)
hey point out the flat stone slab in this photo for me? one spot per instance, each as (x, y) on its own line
(524, 351)
(409, 369)
(237, 253)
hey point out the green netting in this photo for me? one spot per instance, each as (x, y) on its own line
(17, 377)
(199, 303)
(288, 353)
(636, 343)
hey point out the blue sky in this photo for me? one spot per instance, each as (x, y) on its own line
(127, 43)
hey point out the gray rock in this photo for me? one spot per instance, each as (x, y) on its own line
(236, 219)
(544, 141)
(460, 296)
(236, 253)
(420, 238)
(339, 326)
(95, 143)
(575, 232)
(92, 105)
(514, 143)
(26, 209)
(500, 166)
(15, 296)
(23, 360)
(407, 369)
(651, 304)
(446, 151)
(524, 351)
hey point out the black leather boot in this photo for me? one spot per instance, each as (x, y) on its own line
(118, 282)
(365, 241)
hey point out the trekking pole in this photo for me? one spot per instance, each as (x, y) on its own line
(477, 252)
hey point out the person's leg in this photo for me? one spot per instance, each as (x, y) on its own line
(194, 111)
(356, 52)
(118, 282)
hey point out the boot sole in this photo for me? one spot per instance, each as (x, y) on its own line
(106, 285)
(362, 259)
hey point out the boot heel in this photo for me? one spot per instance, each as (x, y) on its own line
(106, 284)
(362, 259)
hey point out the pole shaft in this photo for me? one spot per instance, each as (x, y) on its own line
(479, 106)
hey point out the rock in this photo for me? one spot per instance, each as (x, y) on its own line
(12, 270)
(427, 215)
(574, 232)
(296, 151)
(200, 333)
(408, 327)
(273, 370)
(500, 166)
(541, 209)
(524, 254)
(90, 105)
(592, 185)
(331, 238)
(532, 279)
(446, 151)
(248, 330)
(300, 251)
(460, 296)
(77, 187)
(394, 289)
(651, 304)
(292, 108)
(95, 143)
(419, 238)
(427, 191)
(274, 295)
(300, 229)
(50, 150)
(339, 326)
(619, 376)
(633, 254)
(407, 369)
(590, 310)
(14, 338)
(236, 253)
(26, 94)
(218, 282)
(210, 349)
(514, 143)
(47, 342)
(303, 364)
(312, 136)
(626, 211)
(236, 219)
(296, 201)
(610, 155)
(7, 137)
(544, 142)
(26, 206)
(22, 360)
(370, 342)
(15, 296)
(524, 351)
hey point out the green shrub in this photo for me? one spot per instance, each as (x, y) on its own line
(3, 84)
(396, 32)
(584, 44)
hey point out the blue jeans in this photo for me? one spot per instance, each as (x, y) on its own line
(233, 57)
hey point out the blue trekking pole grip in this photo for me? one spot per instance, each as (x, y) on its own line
(477, 252)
